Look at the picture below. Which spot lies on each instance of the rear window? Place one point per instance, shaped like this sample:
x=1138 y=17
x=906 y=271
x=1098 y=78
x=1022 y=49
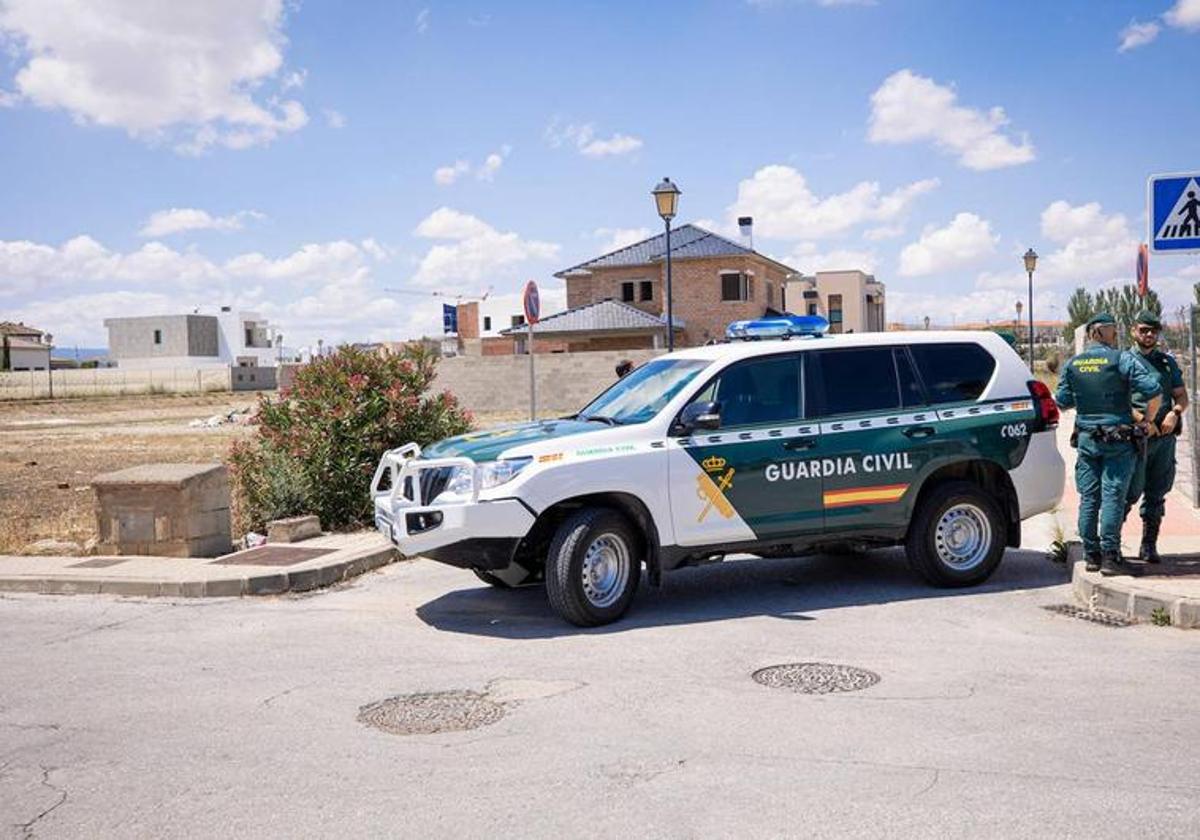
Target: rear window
x=953 y=372
x=855 y=380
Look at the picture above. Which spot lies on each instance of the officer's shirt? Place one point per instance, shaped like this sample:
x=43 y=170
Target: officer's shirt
x=1099 y=384
x=1165 y=371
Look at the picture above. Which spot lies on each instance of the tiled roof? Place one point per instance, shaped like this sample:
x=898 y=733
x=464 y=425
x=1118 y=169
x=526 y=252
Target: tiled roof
x=9 y=328
x=605 y=315
x=687 y=241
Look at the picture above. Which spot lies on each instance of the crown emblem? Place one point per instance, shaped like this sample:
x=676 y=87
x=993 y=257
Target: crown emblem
x=713 y=463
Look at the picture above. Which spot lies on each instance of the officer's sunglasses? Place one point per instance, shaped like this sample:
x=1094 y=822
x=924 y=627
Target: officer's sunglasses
x=1147 y=330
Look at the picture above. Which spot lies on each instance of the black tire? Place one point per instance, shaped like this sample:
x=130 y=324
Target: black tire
x=587 y=606
x=949 y=520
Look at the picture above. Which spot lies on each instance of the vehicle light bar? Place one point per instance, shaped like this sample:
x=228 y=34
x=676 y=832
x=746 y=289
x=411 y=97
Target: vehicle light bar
x=781 y=326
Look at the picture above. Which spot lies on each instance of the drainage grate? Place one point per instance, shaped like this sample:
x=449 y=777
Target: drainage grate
x=430 y=713
x=815 y=677
x=271 y=555
x=99 y=563
x=1106 y=619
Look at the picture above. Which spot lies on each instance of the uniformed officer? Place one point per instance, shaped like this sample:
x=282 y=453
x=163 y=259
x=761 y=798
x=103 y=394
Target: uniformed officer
x=1099 y=383
x=1154 y=472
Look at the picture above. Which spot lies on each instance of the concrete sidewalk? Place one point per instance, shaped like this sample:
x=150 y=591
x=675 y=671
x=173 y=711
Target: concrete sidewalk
x=267 y=570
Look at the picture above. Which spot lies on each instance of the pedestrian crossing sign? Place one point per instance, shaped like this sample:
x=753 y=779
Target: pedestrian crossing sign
x=1174 y=214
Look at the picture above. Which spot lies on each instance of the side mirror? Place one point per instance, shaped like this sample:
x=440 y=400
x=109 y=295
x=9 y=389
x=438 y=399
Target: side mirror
x=700 y=416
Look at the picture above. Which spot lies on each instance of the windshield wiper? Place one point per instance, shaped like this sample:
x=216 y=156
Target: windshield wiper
x=600 y=418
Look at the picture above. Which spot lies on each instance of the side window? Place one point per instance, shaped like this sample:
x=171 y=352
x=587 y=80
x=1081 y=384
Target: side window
x=627 y=292
x=954 y=372
x=910 y=387
x=855 y=380
x=757 y=391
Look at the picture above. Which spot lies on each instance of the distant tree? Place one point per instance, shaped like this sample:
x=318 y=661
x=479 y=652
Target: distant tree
x=1080 y=308
x=1124 y=303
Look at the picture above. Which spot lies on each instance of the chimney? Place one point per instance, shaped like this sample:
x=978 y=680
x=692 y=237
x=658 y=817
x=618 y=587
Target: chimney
x=746 y=227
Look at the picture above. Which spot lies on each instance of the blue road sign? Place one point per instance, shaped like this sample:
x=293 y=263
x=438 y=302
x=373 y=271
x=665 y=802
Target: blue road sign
x=1175 y=213
x=449 y=319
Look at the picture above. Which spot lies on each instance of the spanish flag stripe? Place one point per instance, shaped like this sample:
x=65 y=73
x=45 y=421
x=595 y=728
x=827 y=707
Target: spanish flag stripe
x=865 y=495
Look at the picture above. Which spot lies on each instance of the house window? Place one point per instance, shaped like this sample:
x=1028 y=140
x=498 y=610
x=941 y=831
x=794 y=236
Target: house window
x=646 y=290
x=487 y=323
x=518 y=320
x=627 y=292
x=736 y=286
x=771 y=295
x=835 y=313
x=812 y=309
x=249 y=336
x=158 y=336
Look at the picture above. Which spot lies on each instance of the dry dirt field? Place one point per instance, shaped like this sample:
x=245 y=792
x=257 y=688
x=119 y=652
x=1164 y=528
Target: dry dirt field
x=51 y=450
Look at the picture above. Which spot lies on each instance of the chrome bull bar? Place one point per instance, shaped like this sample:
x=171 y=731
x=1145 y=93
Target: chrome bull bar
x=404 y=463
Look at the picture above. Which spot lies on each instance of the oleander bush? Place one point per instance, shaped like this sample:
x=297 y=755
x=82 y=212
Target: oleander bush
x=317 y=444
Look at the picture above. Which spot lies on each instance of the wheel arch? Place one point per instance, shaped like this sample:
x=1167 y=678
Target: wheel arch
x=537 y=541
x=989 y=476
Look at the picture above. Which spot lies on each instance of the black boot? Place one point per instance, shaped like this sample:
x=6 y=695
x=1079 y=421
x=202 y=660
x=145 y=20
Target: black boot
x=1149 y=552
x=1092 y=562
x=1110 y=564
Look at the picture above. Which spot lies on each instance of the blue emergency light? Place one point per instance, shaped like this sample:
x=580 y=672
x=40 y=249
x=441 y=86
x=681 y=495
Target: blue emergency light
x=781 y=326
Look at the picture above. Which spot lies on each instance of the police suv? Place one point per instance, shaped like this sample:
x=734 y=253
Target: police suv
x=937 y=441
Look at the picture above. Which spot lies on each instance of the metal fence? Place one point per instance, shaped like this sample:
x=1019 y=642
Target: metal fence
x=42 y=384
x=1188 y=453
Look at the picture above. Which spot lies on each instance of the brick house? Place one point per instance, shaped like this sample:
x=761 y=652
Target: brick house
x=23 y=347
x=714 y=281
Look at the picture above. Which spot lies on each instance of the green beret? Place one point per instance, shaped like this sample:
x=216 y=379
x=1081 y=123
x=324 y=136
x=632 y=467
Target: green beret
x=1101 y=318
x=1148 y=318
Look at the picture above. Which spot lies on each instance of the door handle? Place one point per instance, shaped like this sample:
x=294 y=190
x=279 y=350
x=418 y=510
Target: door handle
x=919 y=431
x=798 y=444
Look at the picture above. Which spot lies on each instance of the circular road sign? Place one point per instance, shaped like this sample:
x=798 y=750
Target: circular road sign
x=533 y=304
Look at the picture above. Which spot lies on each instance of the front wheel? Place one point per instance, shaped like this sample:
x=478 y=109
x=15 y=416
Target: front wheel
x=592 y=568
x=957 y=535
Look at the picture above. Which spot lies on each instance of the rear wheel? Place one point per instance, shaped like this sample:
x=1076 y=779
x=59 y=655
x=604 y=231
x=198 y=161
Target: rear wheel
x=957 y=535
x=593 y=567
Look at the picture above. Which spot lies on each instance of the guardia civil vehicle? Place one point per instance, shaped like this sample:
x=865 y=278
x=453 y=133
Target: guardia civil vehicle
x=781 y=441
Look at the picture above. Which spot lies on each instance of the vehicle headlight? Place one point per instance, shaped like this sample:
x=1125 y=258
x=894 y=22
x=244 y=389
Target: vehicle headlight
x=461 y=483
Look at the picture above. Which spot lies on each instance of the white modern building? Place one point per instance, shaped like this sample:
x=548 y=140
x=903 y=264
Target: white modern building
x=229 y=338
x=23 y=347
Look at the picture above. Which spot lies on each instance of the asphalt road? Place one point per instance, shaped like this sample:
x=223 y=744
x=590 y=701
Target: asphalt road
x=238 y=718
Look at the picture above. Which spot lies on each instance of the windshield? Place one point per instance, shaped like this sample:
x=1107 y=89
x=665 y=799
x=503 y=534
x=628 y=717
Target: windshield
x=643 y=393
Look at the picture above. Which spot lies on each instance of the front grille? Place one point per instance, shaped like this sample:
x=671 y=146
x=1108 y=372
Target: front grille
x=433 y=482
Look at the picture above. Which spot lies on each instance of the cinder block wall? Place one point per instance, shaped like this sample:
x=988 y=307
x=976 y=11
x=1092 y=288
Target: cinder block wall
x=565 y=381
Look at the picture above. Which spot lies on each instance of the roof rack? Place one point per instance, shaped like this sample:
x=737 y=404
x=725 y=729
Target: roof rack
x=780 y=327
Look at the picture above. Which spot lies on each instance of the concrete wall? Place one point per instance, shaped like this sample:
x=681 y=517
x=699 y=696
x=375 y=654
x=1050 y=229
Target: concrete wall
x=565 y=381
x=112 y=381
x=131 y=340
x=21 y=358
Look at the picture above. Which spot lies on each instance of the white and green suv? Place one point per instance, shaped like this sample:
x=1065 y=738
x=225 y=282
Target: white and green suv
x=937 y=441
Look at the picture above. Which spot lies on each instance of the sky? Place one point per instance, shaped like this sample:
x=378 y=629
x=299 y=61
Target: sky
x=307 y=159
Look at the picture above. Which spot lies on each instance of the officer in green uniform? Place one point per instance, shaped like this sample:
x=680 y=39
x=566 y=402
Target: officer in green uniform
x=1154 y=472
x=1099 y=384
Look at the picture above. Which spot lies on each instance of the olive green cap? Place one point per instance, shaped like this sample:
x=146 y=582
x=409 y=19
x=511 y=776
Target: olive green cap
x=1101 y=318
x=1148 y=318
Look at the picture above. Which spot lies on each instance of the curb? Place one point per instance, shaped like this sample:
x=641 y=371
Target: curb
x=1122 y=595
x=265 y=583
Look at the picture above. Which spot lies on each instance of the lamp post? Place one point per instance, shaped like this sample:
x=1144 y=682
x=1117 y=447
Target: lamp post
x=1030 y=258
x=666 y=200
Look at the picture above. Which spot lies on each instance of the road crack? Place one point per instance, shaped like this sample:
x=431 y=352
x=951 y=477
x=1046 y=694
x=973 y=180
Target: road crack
x=27 y=828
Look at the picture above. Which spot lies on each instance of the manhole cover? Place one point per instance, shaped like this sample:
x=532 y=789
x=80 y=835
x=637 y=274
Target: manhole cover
x=815 y=677
x=1106 y=619
x=427 y=714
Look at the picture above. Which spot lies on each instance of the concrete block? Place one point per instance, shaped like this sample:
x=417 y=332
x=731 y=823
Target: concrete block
x=271 y=584
x=1185 y=613
x=21 y=584
x=294 y=529
x=225 y=588
x=1111 y=598
x=131 y=588
x=66 y=586
x=304 y=580
x=172 y=510
x=334 y=573
x=1144 y=605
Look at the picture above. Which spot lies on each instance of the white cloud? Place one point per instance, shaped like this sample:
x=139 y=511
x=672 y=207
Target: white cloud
x=616 y=238
x=294 y=80
x=1185 y=14
x=447 y=175
x=335 y=119
x=950 y=307
x=492 y=163
x=8 y=100
x=1094 y=246
x=422 y=21
x=377 y=251
x=808 y=258
x=1137 y=35
x=964 y=241
x=476 y=252
x=194 y=74
x=486 y=171
x=181 y=219
x=908 y=108
x=784 y=207
x=583 y=137
x=883 y=232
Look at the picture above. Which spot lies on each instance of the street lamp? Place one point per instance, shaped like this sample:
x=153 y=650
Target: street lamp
x=666 y=200
x=1030 y=264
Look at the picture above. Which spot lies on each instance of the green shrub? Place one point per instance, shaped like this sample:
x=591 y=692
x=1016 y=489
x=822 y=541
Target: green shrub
x=318 y=443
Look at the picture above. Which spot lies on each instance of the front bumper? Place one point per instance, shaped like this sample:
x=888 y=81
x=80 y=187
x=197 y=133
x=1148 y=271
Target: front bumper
x=472 y=534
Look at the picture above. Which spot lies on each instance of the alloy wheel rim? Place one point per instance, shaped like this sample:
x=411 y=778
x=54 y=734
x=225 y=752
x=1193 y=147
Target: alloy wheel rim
x=605 y=570
x=963 y=536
